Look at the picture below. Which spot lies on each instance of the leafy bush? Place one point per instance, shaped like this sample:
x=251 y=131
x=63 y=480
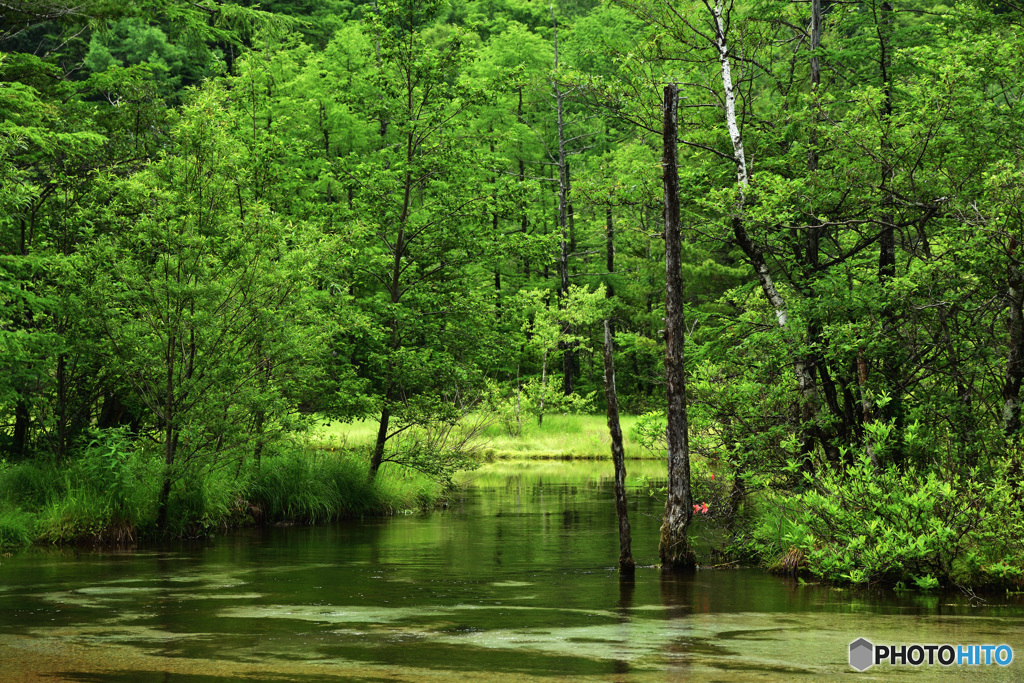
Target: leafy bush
x=650 y=431
x=861 y=525
x=536 y=400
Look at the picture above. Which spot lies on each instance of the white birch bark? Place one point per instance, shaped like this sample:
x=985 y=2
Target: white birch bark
x=804 y=373
x=742 y=175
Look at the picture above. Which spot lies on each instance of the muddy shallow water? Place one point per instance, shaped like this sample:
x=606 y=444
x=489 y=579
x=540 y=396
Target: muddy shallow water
x=516 y=580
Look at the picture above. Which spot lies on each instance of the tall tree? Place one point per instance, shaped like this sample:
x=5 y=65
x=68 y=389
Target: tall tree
x=674 y=546
x=418 y=221
x=201 y=300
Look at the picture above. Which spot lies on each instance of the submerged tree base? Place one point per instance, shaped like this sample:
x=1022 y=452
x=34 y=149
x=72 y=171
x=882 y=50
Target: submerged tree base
x=675 y=551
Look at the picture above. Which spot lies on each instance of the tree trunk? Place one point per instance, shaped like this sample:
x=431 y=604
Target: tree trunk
x=382 y=436
x=674 y=547
x=809 y=402
x=609 y=250
x=543 y=388
x=626 y=564
x=19 y=438
x=1015 y=356
x=524 y=221
x=568 y=355
x=170 y=433
x=887 y=242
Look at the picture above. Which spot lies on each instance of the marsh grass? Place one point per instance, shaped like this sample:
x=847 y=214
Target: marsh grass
x=17 y=528
x=640 y=474
x=561 y=436
x=79 y=503
x=313 y=486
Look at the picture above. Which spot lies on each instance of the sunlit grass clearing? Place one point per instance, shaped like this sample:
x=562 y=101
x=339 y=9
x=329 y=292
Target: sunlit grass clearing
x=578 y=436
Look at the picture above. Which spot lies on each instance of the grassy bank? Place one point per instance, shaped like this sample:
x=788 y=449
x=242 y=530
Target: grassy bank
x=561 y=436
x=109 y=493
x=85 y=503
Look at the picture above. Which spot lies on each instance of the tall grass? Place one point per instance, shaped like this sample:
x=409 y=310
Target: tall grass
x=110 y=496
x=640 y=473
x=17 y=528
x=315 y=486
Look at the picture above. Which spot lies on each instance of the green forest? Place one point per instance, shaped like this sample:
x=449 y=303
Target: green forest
x=226 y=225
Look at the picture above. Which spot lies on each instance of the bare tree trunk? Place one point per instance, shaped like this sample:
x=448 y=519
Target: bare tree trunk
x=382 y=436
x=543 y=387
x=674 y=546
x=626 y=564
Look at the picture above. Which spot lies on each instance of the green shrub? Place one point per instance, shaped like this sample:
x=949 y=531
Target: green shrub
x=103 y=496
x=861 y=525
x=81 y=514
x=302 y=487
x=208 y=501
x=108 y=493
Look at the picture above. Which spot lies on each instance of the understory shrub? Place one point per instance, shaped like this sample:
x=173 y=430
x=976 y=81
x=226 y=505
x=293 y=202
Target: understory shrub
x=103 y=495
x=205 y=502
x=862 y=525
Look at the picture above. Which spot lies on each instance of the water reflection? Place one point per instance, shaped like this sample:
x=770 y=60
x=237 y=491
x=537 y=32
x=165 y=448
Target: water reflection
x=517 y=579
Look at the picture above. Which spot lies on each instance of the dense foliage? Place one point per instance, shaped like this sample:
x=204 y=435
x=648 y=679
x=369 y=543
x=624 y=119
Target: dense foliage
x=220 y=224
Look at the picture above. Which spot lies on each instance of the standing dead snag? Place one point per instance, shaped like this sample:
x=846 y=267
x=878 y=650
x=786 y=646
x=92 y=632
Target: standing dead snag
x=674 y=547
x=626 y=564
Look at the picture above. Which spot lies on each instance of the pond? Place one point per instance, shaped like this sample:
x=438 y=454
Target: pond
x=516 y=579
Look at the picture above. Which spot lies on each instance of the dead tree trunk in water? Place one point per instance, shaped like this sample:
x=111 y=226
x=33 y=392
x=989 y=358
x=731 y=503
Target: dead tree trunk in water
x=674 y=547
x=626 y=564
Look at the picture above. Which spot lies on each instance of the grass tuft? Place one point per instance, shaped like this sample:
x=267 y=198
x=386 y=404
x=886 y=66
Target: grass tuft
x=17 y=528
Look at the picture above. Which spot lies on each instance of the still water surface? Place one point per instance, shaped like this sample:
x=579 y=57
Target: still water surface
x=516 y=581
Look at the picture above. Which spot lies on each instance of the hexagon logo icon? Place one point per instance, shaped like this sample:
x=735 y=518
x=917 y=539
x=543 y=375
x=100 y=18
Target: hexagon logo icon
x=862 y=654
